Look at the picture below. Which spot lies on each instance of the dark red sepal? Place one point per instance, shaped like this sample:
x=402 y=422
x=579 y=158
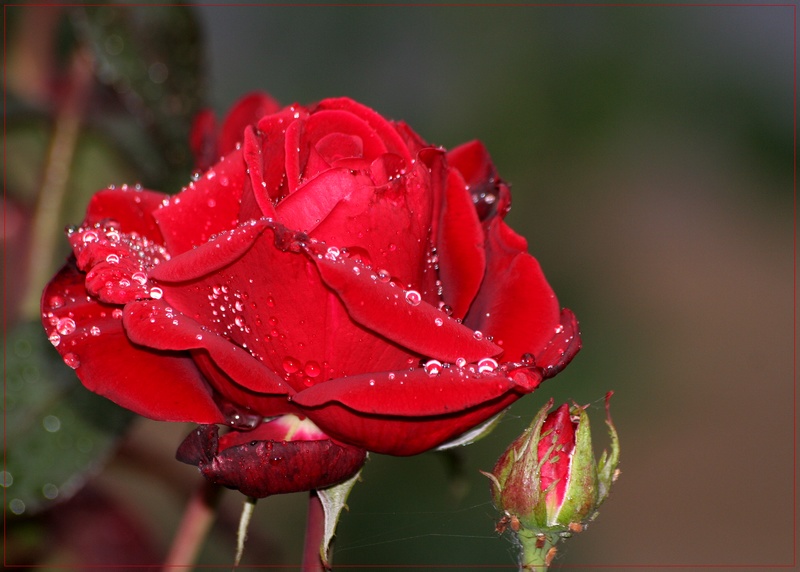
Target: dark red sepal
x=262 y=468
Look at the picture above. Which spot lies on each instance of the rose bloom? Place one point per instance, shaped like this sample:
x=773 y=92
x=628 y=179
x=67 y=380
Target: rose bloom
x=328 y=284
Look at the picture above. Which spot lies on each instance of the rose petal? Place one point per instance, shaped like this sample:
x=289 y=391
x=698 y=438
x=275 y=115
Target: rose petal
x=400 y=315
x=311 y=203
x=247 y=111
x=288 y=318
x=262 y=468
x=407 y=412
x=130 y=207
x=462 y=259
x=155 y=324
x=383 y=129
x=562 y=348
x=515 y=304
x=360 y=223
x=208 y=206
x=159 y=385
x=212 y=255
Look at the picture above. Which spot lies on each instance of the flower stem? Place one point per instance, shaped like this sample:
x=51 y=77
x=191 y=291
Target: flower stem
x=536 y=550
x=194 y=526
x=54 y=182
x=315 y=532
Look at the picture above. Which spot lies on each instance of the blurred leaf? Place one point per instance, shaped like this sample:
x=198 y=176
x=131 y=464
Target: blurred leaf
x=56 y=431
x=153 y=59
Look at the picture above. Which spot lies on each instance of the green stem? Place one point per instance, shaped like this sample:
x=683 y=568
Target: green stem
x=46 y=231
x=194 y=526
x=536 y=550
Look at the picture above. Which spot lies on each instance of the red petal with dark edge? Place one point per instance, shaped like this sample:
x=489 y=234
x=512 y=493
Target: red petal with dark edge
x=515 y=304
x=166 y=386
x=393 y=313
x=462 y=260
x=247 y=111
x=154 y=324
x=262 y=468
x=409 y=414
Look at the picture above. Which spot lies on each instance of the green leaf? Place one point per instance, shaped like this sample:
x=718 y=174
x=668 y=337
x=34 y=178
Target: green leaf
x=57 y=433
x=333 y=500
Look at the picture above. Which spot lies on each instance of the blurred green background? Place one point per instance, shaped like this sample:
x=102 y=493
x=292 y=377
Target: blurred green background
x=650 y=151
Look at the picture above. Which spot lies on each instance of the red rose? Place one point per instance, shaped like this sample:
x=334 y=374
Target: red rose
x=329 y=267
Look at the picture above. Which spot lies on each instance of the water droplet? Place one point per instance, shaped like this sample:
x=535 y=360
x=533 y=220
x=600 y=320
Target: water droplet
x=312 y=369
x=332 y=253
x=239 y=321
x=55 y=339
x=413 y=297
x=240 y=418
x=461 y=362
x=56 y=302
x=112 y=258
x=432 y=367
x=116 y=313
x=72 y=360
x=384 y=276
x=156 y=293
x=94 y=330
x=239 y=306
x=446 y=309
x=487 y=365
x=89 y=236
x=139 y=277
x=372 y=382
x=291 y=365
x=558 y=329
x=51 y=423
x=198 y=337
x=196 y=176
x=270 y=301
x=438 y=321
x=528 y=359
x=477 y=335
x=65 y=326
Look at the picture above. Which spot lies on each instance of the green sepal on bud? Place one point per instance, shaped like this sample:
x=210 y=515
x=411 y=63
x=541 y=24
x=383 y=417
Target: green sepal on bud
x=547 y=483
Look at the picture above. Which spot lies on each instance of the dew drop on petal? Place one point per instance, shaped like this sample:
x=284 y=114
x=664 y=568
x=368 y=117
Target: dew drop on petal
x=139 y=277
x=487 y=365
x=112 y=258
x=72 y=360
x=477 y=335
x=156 y=293
x=95 y=331
x=528 y=359
x=432 y=367
x=56 y=302
x=438 y=321
x=55 y=339
x=558 y=329
x=312 y=369
x=116 y=313
x=291 y=365
x=413 y=297
x=383 y=275
x=461 y=362
x=65 y=326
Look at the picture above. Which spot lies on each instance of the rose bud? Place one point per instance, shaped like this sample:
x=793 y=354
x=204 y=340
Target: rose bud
x=327 y=266
x=547 y=483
